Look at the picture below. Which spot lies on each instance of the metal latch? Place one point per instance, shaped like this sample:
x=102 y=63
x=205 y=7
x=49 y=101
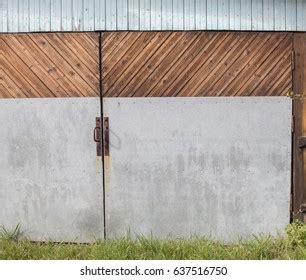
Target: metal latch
x=97 y=136
x=106 y=136
x=302 y=142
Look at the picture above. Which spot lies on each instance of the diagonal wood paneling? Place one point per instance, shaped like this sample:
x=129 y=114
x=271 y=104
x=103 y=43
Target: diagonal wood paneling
x=138 y=64
x=49 y=65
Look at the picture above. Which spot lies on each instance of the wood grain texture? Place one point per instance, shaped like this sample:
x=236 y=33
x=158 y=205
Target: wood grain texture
x=139 y=64
x=49 y=65
x=299 y=155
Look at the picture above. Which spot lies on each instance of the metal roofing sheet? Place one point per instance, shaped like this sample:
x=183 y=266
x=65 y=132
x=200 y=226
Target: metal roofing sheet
x=90 y=15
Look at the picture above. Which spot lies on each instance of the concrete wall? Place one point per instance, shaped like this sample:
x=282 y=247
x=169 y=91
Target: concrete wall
x=219 y=167
x=50 y=177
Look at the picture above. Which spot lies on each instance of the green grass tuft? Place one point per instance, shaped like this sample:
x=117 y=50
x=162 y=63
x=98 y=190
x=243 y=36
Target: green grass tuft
x=10 y=235
x=293 y=246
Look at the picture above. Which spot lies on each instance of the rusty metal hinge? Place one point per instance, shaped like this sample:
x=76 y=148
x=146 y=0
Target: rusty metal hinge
x=302 y=142
x=293 y=60
x=97 y=136
x=294 y=95
x=106 y=136
x=303 y=212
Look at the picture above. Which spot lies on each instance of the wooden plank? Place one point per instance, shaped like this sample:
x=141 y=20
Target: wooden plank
x=50 y=65
x=252 y=75
x=35 y=66
x=142 y=63
x=186 y=72
x=236 y=69
x=111 y=42
x=284 y=83
x=178 y=41
x=136 y=63
x=12 y=88
x=82 y=39
x=180 y=71
x=231 y=54
x=16 y=68
x=165 y=63
x=4 y=92
x=67 y=76
x=84 y=71
x=211 y=66
x=299 y=86
x=90 y=60
x=272 y=72
x=129 y=56
x=48 y=69
x=109 y=61
x=91 y=40
x=198 y=64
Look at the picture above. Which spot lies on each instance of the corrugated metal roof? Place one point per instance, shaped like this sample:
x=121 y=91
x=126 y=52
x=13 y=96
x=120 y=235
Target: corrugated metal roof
x=90 y=15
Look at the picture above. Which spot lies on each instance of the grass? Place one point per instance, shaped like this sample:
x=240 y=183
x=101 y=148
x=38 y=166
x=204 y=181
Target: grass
x=12 y=235
x=293 y=246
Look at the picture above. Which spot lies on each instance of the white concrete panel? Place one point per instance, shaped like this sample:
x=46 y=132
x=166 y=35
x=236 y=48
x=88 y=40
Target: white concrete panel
x=219 y=167
x=50 y=177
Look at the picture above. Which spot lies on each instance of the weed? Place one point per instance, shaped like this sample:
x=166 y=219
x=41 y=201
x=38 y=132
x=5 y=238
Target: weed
x=296 y=234
x=11 y=235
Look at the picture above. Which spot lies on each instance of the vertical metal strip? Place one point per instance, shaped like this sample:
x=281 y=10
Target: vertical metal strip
x=292 y=191
x=102 y=129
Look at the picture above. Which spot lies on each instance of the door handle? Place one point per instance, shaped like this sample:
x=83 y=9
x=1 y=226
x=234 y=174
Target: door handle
x=97 y=136
x=106 y=136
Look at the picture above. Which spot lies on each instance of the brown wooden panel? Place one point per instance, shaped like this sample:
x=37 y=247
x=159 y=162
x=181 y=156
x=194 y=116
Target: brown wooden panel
x=196 y=64
x=49 y=65
x=299 y=155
